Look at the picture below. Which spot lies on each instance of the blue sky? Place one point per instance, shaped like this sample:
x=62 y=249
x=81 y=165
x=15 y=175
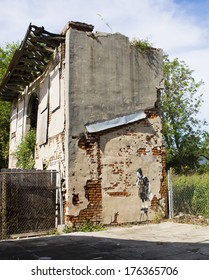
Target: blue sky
x=194 y=7
x=179 y=27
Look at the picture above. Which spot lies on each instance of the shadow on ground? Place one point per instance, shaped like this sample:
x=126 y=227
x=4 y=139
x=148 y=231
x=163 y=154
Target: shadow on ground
x=68 y=247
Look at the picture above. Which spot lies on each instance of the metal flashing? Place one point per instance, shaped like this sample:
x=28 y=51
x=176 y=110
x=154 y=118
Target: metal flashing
x=104 y=125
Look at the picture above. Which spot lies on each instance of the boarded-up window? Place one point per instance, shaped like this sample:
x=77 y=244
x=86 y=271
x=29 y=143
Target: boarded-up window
x=44 y=90
x=42 y=124
x=42 y=128
x=56 y=125
x=54 y=89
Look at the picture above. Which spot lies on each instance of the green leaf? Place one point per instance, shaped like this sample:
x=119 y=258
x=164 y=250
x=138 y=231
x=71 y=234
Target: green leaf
x=181 y=101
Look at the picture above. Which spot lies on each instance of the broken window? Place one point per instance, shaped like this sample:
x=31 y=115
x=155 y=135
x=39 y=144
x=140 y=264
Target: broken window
x=32 y=111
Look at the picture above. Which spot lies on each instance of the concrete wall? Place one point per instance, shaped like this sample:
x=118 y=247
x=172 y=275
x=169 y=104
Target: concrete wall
x=109 y=78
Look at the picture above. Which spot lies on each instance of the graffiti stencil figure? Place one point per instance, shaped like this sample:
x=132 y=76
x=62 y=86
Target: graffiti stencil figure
x=144 y=191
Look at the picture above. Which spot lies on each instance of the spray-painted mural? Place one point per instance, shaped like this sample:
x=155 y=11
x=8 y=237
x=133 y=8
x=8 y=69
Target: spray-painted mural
x=144 y=192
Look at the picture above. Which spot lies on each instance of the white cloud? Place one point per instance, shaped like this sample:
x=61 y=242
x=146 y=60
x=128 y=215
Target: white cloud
x=197 y=61
x=166 y=23
x=169 y=24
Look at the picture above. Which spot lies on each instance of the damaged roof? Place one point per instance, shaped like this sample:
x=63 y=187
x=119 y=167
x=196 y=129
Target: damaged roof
x=31 y=58
x=29 y=61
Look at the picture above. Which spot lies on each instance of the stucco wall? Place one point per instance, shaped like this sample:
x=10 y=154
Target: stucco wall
x=109 y=161
x=123 y=152
x=109 y=78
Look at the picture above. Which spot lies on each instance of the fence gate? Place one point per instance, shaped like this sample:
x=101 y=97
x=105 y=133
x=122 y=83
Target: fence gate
x=29 y=201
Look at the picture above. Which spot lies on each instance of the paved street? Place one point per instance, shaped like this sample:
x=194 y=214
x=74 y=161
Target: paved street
x=167 y=241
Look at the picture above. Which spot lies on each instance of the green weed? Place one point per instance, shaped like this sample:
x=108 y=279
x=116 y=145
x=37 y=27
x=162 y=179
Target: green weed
x=88 y=226
x=191 y=194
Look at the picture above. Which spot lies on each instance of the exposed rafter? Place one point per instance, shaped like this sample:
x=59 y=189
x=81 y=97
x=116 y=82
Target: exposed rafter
x=31 y=58
x=29 y=61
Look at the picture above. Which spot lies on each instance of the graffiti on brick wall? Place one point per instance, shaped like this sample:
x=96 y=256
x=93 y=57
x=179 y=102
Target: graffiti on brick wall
x=144 y=192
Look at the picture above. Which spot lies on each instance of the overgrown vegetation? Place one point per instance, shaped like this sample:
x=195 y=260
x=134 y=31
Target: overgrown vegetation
x=6 y=53
x=143 y=45
x=158 y=217
x=5 y=108
x=67 y=229
x=25 y=151
x=191 y=194
x=183 y=132
x=86 y=226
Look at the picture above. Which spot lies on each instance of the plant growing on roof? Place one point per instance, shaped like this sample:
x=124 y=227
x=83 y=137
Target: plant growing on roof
x=144 y=45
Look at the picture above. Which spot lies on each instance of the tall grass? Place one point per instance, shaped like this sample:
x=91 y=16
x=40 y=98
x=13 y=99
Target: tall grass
x=191 y=194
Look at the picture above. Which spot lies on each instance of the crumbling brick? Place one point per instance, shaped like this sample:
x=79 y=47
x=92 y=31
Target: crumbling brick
x=141 y=151
x=124 y=193
x=93 y=211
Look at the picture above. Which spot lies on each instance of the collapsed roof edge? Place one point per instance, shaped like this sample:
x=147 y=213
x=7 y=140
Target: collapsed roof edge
x=31 y=58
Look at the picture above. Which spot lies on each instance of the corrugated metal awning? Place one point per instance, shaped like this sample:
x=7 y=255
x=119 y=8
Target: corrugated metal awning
x=103 y=125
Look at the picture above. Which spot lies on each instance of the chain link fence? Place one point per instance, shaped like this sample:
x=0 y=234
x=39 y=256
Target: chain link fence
x=188 y=196
x=30 y=201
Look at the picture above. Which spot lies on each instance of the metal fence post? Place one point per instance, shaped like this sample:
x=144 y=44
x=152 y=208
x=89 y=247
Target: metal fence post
x=170 y=194
x=59 y=214
x=4 y=207
x=60 y=199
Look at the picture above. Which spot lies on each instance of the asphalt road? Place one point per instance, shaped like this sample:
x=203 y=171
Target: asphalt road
x=164 y=241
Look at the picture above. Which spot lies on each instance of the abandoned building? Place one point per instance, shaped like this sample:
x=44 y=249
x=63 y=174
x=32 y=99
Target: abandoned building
x=94 y=100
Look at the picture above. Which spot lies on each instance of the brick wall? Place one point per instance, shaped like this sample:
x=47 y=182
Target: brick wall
x=109 y=175
x=93 y=211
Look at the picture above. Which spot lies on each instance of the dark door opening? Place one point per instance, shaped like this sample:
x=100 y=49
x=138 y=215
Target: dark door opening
x=33 y=111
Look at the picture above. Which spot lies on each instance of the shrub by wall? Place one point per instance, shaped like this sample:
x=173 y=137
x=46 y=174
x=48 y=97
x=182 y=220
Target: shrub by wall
x=25 y=151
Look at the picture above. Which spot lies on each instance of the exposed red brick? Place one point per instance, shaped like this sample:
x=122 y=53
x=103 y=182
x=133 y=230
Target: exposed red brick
x=91 y=143
x=124 y=193
x=93 y=211
x=141 y=151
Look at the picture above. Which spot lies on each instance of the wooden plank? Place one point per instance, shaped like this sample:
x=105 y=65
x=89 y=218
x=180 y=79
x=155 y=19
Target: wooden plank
x=29 y=234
